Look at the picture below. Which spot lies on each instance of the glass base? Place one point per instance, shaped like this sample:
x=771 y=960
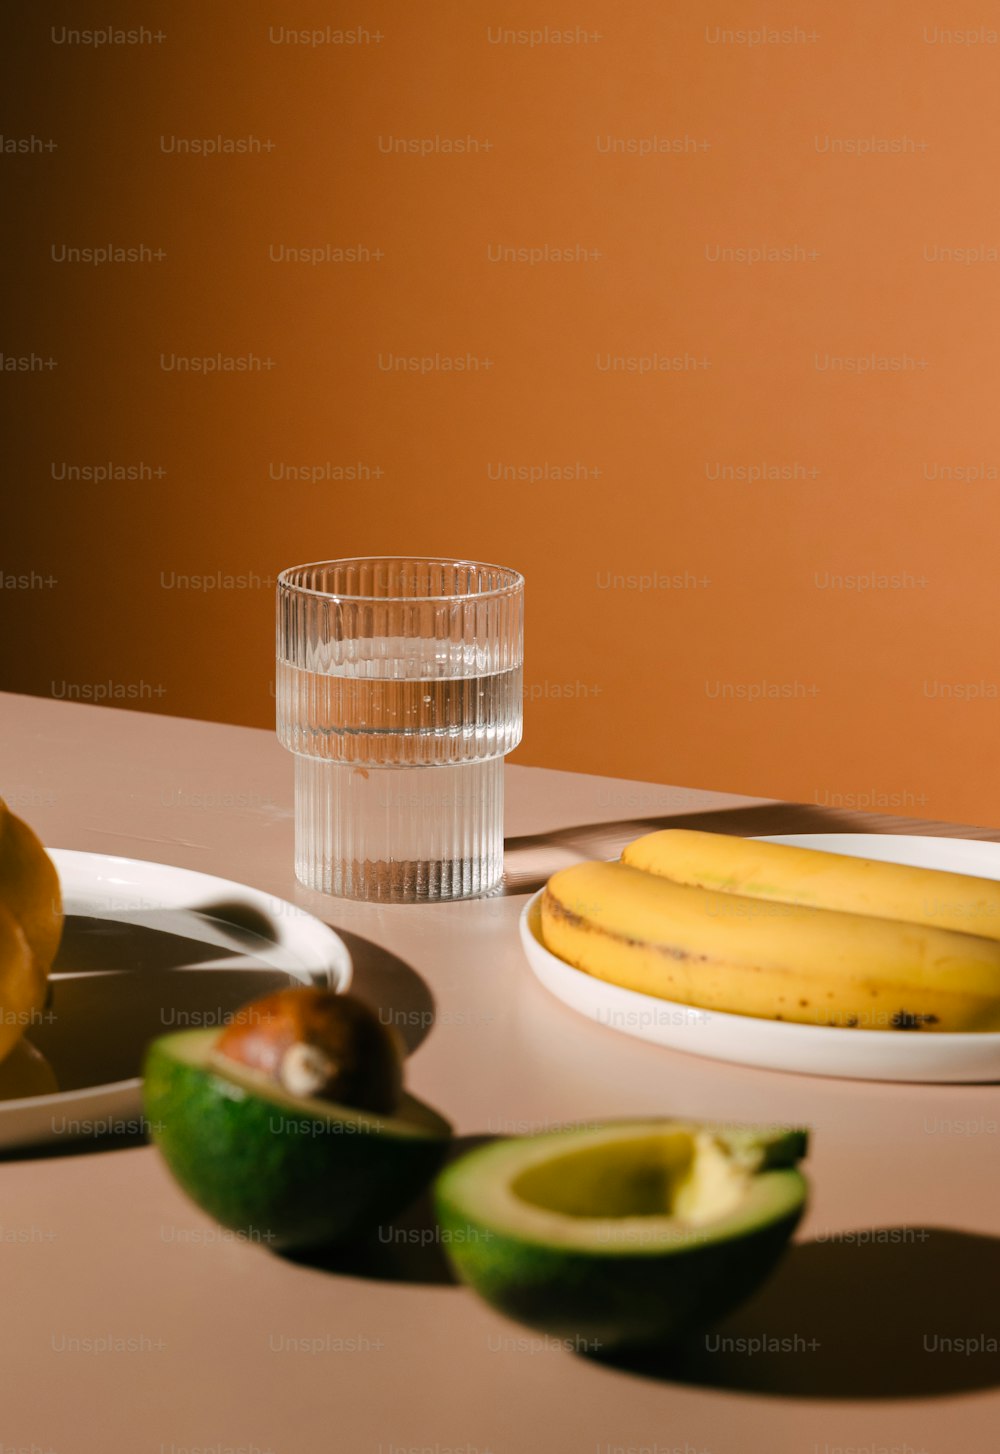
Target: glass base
x=399 y=835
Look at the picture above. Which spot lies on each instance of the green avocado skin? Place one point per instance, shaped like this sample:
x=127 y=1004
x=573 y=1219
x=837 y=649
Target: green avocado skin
x=613 y=1300
x=260 y=1170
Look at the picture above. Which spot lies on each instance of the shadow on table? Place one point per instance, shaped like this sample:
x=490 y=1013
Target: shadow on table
x=383 y=980
x=409 y=1249
x=606 y=840
x=391 y=987
x=118 y=984
x=882 y=1320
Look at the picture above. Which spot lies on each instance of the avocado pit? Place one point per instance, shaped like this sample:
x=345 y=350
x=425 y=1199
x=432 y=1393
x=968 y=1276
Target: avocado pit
x=315 y=1043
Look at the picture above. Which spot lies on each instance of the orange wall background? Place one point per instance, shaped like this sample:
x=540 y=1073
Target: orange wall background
x=760 y=554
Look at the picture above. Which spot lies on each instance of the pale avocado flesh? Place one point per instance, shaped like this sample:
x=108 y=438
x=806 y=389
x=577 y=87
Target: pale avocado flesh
x=283 y=1170
x=630 y=1233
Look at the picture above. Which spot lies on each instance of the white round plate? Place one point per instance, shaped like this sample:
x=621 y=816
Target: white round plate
x=146 y=949
x=804 y=1049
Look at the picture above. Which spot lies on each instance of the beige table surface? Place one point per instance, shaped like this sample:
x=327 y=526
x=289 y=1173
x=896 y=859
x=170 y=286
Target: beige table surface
x=100 y=1243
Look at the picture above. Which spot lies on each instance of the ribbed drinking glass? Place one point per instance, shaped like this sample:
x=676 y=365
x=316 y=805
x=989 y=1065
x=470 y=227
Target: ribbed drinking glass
x=399 y=692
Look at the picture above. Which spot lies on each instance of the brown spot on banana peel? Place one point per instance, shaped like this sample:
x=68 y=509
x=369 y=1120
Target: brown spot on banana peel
x=906 y=1020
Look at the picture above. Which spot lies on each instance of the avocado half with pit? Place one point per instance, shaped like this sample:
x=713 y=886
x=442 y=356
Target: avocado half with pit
x=628 y=1234
x=288 y=1171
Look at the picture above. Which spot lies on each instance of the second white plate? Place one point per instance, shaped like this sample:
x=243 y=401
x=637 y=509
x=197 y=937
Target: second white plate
x=148 y=948
x=771 y=1044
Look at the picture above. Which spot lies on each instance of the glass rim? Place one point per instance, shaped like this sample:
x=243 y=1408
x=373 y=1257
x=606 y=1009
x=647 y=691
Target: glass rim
x=514 y=584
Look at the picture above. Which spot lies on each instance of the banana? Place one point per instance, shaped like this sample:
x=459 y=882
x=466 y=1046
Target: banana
x=785 y=874
x=720 y=951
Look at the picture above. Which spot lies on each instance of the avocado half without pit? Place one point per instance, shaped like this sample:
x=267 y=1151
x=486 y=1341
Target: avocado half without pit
x=629 y=1234
x=291 y=1126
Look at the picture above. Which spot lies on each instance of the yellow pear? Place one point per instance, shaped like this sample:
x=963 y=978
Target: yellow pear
x=22 y=982
x=26 y=1072
x=29 y=886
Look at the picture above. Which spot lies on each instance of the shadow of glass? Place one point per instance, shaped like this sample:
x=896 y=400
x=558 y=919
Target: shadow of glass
x=407 y=1249
x=889 y=1319
x=606 y=840
x=125 y=945
x=245 y=923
